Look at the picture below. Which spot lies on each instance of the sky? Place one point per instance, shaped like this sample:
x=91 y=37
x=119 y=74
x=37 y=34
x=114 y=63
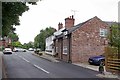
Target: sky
x=50 y=12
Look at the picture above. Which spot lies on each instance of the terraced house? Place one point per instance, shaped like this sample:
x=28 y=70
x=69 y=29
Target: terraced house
x=5 y=42
x=76 y=43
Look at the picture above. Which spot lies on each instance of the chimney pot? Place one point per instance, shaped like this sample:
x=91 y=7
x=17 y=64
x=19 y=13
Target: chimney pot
x=60 y=25
x=69 y=22
x=72 y=17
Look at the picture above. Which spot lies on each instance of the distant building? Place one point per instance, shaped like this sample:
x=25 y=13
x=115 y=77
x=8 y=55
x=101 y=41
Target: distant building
x=5 y=42
x=49 y=45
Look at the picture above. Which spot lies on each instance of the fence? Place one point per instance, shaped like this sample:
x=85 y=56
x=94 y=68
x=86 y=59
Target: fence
x=112 y=60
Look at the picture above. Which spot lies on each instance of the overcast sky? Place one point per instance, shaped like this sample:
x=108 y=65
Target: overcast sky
x=50 y=12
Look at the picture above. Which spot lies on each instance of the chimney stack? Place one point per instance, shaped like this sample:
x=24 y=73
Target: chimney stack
x=60 y=25
x=69 y=22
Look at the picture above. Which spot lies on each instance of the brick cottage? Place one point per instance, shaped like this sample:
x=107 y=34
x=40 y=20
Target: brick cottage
x=5 y=42
x=76 y=43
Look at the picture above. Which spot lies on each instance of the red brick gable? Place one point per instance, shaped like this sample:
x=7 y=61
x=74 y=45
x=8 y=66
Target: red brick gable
x=83 y=41
x=86 y=40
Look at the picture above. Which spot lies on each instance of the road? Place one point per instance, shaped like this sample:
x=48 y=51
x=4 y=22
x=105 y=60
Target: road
x=26 y=65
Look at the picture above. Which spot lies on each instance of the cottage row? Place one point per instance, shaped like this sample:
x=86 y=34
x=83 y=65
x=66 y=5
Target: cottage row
x=76 y=43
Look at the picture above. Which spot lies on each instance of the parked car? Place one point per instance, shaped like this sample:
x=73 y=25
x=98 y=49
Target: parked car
x=19 y=50
x=31 y=49
x=96 y=60
x=7 y=51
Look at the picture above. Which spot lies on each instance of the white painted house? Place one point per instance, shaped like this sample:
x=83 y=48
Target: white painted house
x=49 y=45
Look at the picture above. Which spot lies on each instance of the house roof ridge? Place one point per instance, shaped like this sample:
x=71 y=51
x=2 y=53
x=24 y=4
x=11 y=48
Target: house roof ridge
x=80 y=24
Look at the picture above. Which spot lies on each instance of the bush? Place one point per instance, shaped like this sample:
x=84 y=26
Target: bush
x=36 y=51
x=40 y=53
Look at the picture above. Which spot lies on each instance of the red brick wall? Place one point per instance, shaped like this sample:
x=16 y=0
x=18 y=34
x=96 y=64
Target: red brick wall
x=69 y=22
x=60 y=43
x=86 y=41
x=3 y=43
x=65 y=43
x=58 y=47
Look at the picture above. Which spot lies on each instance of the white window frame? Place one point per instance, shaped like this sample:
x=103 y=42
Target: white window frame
x=56 y=49
x=103 y=32
x=65 y=50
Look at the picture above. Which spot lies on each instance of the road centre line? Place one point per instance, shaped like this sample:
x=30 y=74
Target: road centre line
x=20 y=56
x=41 y=68
x=35 y=65
x=25 y=59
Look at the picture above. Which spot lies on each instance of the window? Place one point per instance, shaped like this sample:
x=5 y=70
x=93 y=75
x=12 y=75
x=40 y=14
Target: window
x=103 y=32
x=64 y=49
x=56 y=49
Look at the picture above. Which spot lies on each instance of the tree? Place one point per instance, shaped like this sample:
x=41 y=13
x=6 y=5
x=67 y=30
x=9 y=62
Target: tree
x=39 y=40
x=16 y=44
x=28 y=45
x=13 y=36
x=10 y=15
x=114 y=36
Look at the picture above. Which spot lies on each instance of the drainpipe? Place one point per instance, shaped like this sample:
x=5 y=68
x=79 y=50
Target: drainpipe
x=69 y=45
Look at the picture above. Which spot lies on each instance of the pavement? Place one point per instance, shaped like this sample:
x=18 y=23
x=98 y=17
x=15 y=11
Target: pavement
x=47 y=57
x=85 y=65
x=0 y=65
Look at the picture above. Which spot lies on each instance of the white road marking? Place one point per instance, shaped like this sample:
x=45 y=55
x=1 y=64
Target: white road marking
x=20 y=56
x=35 y=65
x=25 y=60
x=41 y=68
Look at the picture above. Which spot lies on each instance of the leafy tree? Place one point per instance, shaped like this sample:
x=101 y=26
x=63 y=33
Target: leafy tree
x=10 y=15
x=16 y=44
x=39 y=40
x=114 y=36
x=13 y=36
x=28 y=45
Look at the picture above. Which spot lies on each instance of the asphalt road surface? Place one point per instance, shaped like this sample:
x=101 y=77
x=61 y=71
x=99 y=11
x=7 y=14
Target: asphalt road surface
x=26 y=65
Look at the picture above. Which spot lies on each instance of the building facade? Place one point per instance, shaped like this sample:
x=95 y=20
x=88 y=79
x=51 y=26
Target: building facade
x=76 y=43
x=49 y=45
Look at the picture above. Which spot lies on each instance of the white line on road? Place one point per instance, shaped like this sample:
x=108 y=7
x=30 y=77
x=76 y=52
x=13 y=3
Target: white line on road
x=35 y=65
x=25 y=60
x=20 y=56
x=41 y=68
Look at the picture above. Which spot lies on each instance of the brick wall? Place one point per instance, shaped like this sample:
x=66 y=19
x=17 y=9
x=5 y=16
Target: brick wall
x=86 y=40
x=3 y=43
x=58 y=47
x=65 y=44
x=69 y=22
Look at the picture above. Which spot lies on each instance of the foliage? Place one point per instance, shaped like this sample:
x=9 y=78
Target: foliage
x=28 y=45
x=10 y=15
x=114 y=36
x=13 y=36
x=16 y=44
x=39 y=40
